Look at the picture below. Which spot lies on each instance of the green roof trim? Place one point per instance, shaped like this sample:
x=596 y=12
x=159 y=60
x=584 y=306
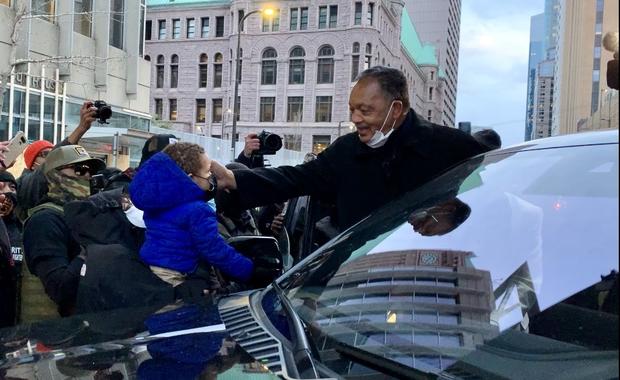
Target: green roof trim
x=160 y=3
x=422 y=54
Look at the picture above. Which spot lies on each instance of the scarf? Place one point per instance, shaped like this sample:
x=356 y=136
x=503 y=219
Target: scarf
x=63 y=189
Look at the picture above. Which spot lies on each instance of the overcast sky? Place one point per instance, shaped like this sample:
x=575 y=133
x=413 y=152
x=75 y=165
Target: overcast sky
x=493 y=58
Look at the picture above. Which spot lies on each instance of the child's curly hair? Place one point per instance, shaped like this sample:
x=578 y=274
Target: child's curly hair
x=186 y=155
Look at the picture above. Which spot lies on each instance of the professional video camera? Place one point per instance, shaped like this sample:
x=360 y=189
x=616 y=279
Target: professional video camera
x=104 y=111
x=270 y=143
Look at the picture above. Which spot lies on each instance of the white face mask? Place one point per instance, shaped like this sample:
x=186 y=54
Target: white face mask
x=135 y=216
x=379 y=139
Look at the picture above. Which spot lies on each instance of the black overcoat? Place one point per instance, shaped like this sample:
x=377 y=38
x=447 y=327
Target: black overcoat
x=357 y=178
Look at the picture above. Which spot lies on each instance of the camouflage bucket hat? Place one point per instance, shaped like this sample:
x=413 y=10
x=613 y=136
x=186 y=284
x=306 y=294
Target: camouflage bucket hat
x=71 y=154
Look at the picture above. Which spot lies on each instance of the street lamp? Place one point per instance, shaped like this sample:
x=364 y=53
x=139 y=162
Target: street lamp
x=233 y=138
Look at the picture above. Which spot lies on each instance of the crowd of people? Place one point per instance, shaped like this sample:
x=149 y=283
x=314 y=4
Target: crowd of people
x=158 y=232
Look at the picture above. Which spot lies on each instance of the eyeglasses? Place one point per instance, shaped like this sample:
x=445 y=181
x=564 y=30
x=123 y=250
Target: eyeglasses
x=44 y=153
x=80 y=170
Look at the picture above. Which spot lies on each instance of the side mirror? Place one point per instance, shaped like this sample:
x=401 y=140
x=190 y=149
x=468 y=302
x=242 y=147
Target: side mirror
x=263 y=249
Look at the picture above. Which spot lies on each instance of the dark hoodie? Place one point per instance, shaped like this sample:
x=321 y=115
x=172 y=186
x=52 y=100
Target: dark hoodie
x=181 y=228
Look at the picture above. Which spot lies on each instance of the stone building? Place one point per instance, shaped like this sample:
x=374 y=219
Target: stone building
x=297 y=66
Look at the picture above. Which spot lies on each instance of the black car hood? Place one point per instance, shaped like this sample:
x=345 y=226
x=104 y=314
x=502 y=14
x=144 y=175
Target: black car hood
x=180 y=341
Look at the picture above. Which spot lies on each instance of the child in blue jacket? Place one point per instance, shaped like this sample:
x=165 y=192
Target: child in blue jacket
x=172 y=188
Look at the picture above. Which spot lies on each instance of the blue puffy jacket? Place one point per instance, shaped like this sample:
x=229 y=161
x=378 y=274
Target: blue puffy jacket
x=181 y=228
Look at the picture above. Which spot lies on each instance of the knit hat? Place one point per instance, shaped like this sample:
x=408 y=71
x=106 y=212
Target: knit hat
x=156 y=144
x=7 y=177
x=32 y=151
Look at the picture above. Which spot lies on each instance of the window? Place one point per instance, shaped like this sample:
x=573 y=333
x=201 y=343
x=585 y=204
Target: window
x=430 y=93
x=201 y=110
x=217 y=111
x=333 y=16
x=269 y=67
x=174 y=71
x=295 y=109
x=176 y=29
x=355 y=61
x=271 y=23
x=368 y=60
x=297 y=66
x=191 y=28
x=162 y=29
x=159 y=109
x=267 y=109
x=159 y=77
x=204 y=27
x=432 y=75
x=240 y=16
x=45 y=8
x=148 y=30
x=294 y=22
x=430 y=115
x=325 y=71
x=173 y=109
x=219 y=26
x=371 y=13
x=292 y=142
x=323 y=17
x=147 y=58
x=303 y=19
x=202 y=71
x=117 y=19
x=83 y=19
x=323 y=109
x=217 y=70
x=319 y=143
x=358 y=13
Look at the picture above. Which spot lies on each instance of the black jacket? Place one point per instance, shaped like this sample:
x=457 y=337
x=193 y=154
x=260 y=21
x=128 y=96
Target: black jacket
x=52 y=254
x=357 y=178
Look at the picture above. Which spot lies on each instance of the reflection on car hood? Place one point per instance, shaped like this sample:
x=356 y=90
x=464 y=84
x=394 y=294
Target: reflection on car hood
x=181 y=341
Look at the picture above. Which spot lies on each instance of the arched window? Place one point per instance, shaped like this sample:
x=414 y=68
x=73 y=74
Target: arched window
x=297 y=66
x=269 y=67
x=174 y=71
x=203 y=71
x=159 y=72
x=325 y=71
x=368 y=58
x=355 y=61
x=217 y=70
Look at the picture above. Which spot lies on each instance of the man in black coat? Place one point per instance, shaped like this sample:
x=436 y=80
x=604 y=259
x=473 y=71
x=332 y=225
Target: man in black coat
x=391 y=153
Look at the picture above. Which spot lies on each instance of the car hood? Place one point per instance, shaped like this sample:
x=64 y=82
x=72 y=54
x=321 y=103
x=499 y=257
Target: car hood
x=175 y=341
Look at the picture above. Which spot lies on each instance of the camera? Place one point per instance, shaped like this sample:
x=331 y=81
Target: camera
x=104 y=111
x=270 y=143
x=98 y=182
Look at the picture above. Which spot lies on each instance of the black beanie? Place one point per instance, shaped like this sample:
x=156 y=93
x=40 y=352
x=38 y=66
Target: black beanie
x=7 y=177
x=155 y=144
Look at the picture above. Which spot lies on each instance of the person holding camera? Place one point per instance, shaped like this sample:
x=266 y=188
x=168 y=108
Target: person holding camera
x=392 y=152
x=32 y=185
x=52 y=253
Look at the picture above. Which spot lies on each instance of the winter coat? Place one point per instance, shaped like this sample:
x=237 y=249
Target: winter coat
x=360 y=179
x=181 y=228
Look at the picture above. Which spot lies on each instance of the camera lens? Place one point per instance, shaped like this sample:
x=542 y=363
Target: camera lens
x=273 y=142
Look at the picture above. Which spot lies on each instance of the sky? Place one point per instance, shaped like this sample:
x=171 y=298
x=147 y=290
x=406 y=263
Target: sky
x=493 y=58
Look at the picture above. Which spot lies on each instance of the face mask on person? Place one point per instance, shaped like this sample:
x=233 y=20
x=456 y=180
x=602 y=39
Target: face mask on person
x=379 y=138
x=7 y=203
x=135 y=216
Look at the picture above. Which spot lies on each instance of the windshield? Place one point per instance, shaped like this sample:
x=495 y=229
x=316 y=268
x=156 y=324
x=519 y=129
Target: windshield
x=517 y=251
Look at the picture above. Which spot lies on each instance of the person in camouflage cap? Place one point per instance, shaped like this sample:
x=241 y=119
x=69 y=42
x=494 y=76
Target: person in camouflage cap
x=52 y=253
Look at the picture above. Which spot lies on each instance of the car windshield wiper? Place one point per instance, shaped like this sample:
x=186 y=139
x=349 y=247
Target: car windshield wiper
x=381 y=364
x=301 y=346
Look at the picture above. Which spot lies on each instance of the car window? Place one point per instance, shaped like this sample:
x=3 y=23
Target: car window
x=491 y=253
